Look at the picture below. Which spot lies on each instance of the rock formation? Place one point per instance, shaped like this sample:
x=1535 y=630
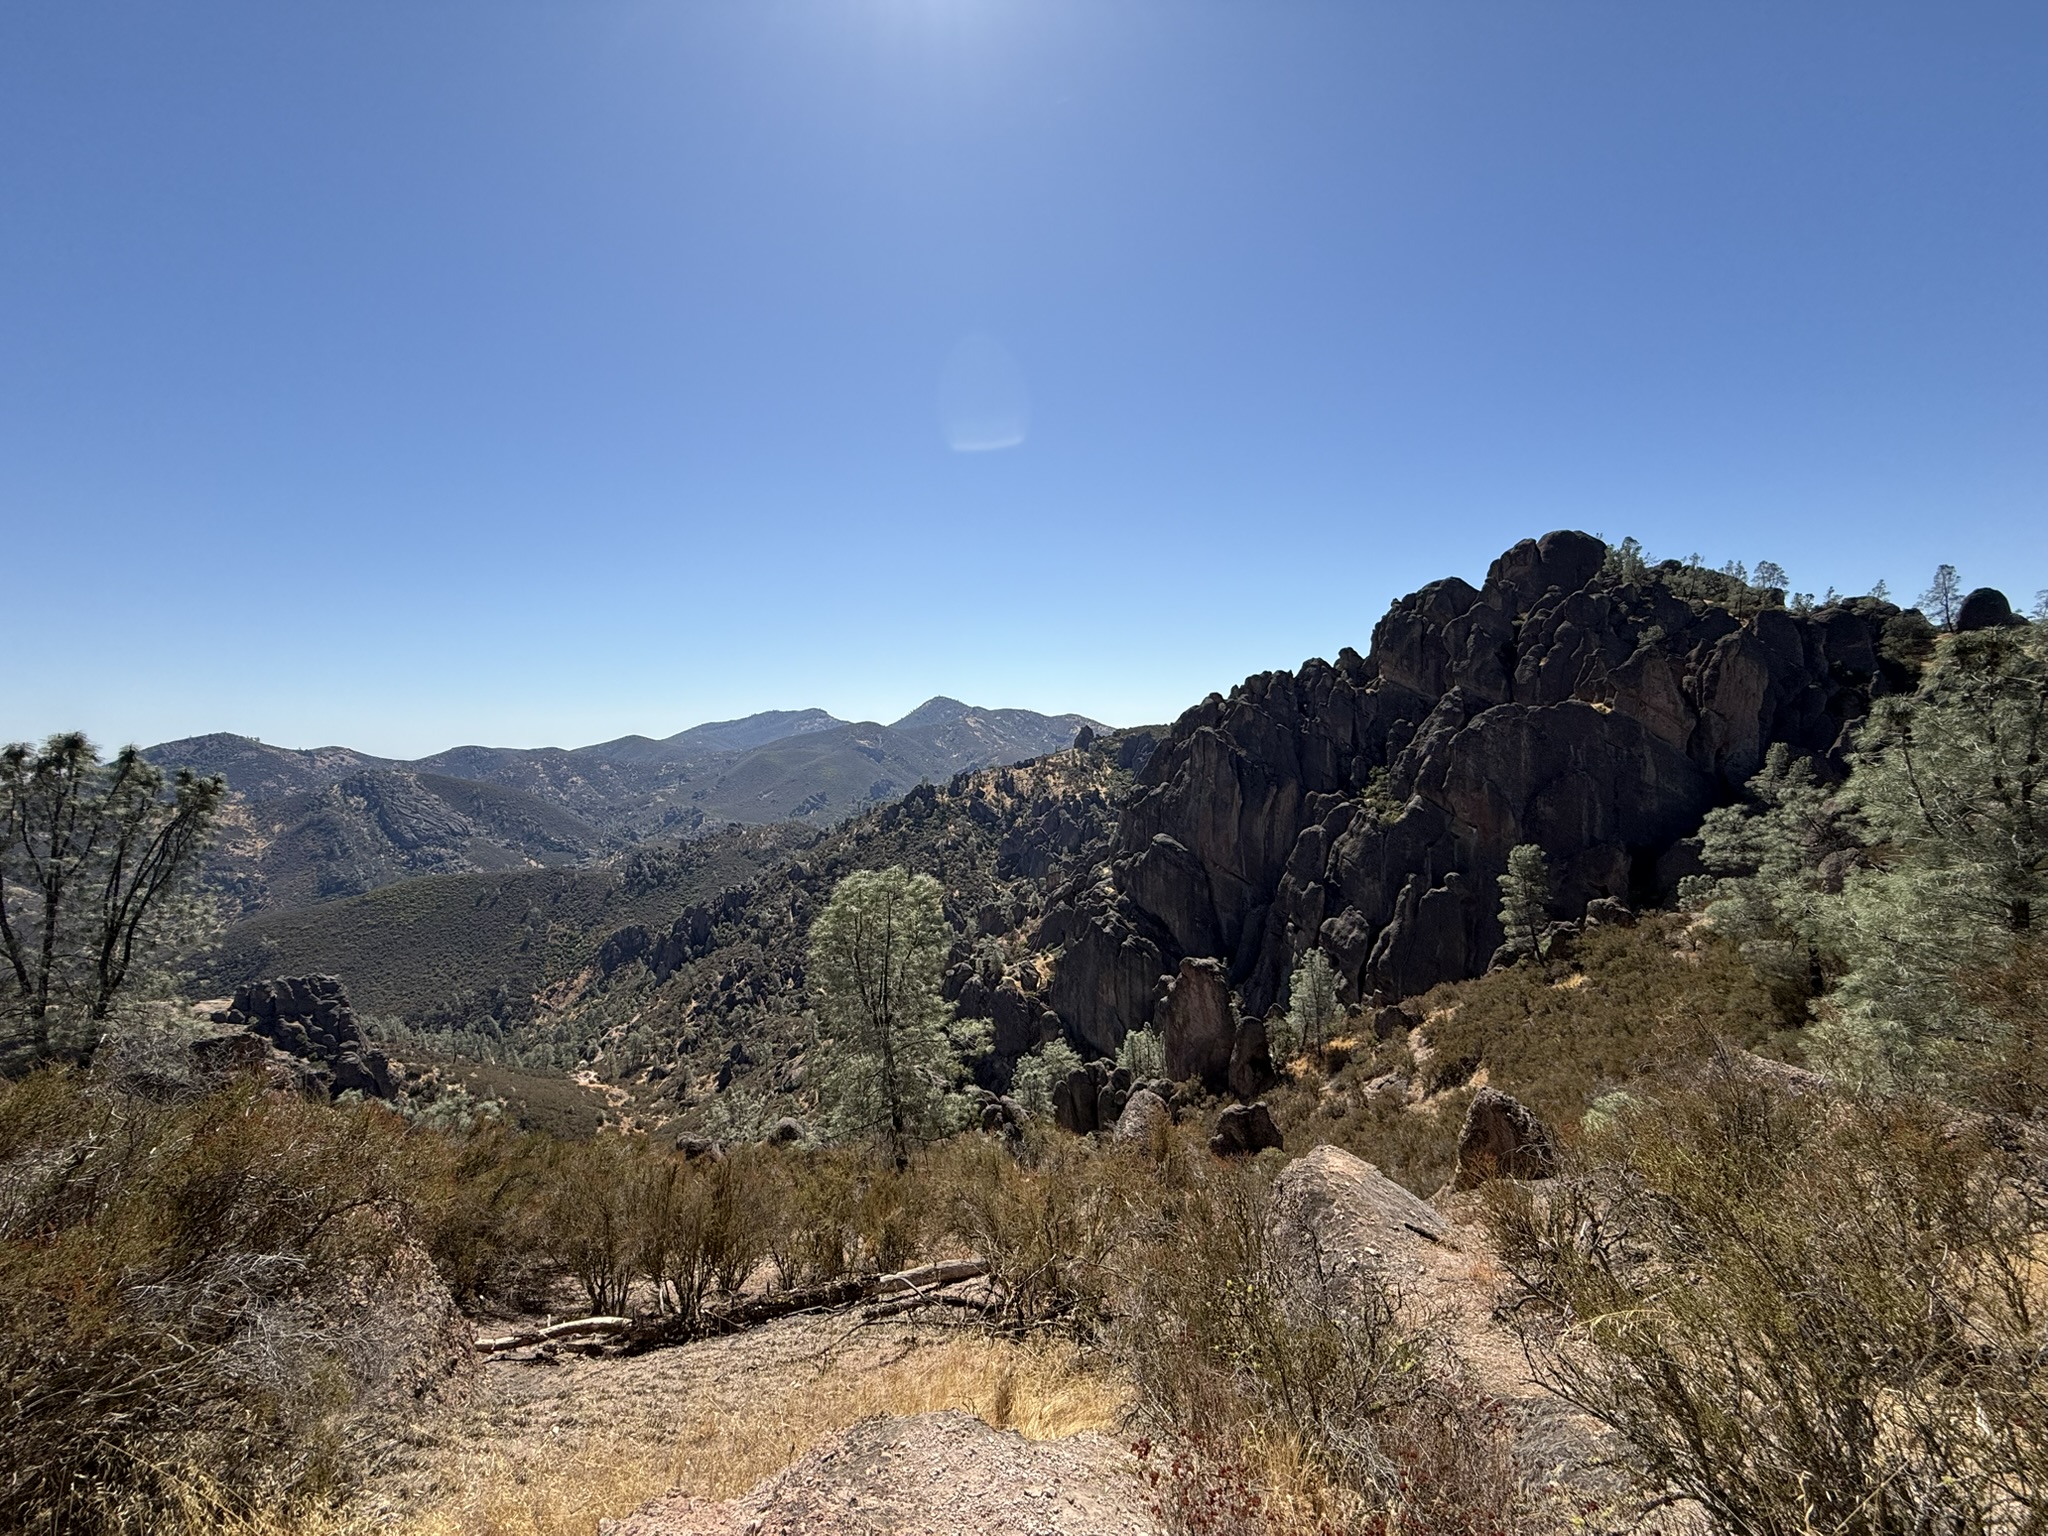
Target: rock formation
x=1368 y=806
x=1198 y=1024
x=1986 y=608
x=308 y=1018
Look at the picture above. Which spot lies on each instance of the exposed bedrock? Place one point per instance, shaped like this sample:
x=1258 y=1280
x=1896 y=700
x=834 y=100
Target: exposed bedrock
x=1368 y=806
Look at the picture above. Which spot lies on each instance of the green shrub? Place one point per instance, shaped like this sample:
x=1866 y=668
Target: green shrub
x=1806 y=1311
x=1634 y=1001
x=167 y=1278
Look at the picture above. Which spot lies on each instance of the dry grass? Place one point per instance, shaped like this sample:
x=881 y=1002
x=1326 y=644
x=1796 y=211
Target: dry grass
x=563 y=1485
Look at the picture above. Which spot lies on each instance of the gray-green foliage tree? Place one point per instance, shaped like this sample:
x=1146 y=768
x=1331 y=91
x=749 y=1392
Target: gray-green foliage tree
x=1143 y=1054
x=93 y=860
x=1032 y=1082
x=893 y=1055
x=1793 y=843
x=1923 y=874
x=1313 y=1008
x=1525 y=900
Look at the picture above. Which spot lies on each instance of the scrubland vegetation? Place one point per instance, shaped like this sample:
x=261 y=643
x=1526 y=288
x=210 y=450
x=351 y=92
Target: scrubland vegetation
x=206 y=1302
x=1794 y=1258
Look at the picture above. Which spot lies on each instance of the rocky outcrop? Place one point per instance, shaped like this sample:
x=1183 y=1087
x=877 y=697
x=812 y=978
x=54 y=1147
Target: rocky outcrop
x=308 y=1019
x=1198 y=1024
x=1367 y=806
x=1985 y=608
x=1502 y=1139
x=1091 y=1098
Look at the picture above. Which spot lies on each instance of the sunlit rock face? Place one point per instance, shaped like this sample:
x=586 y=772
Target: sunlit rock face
x=1368 y=806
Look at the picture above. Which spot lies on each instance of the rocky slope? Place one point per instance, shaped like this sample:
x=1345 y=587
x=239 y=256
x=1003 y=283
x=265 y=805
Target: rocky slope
x=1368 y=806
x=377 y=826
x=316 y=825
x=717 y=997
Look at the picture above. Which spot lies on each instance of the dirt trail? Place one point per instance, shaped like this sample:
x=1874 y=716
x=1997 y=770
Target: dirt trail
x=938 y=1474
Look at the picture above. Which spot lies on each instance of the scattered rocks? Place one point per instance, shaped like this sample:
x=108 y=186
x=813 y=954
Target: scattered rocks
x=1244 y=1129
x=1502 y=1139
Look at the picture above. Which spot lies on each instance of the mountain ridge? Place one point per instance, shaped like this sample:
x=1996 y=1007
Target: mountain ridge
x=316 y=824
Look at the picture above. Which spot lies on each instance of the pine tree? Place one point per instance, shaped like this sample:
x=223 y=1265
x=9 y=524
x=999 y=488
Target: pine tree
x=1313 y=1008
x=893 y=1054
x=1910 y=891
x=1941 y=600
x=1782 y=857
x=1037 y=1074
x=1525 y=900
x=1143 y=1054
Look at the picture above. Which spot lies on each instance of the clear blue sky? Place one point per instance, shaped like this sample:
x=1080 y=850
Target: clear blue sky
x=404 y=374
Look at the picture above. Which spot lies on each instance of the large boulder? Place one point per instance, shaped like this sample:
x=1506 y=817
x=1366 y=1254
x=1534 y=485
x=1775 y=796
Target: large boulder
x=1985 y=608
x=1331 y=1203
x=1369 y=804
x=1145 y=1119
x=1244 y=1129
x=1502 y=1139
x=1074 y=1101
x=1251 y=1061
x=1199 y=1025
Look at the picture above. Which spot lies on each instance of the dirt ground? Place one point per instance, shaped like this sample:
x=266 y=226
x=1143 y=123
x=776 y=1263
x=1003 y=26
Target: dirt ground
x=821 y=1423
x=552 y=1443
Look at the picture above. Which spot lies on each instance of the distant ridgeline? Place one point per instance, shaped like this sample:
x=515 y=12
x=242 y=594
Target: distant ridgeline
x=1580 y=699
x=310 y=826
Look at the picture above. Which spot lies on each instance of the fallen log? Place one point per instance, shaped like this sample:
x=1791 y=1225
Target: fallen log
x=948 y=1273
x=752 y=1311
x=553 y=1331
x=882 y=1309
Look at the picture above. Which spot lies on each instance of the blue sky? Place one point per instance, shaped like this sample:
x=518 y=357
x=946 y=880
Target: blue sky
x=408 y=374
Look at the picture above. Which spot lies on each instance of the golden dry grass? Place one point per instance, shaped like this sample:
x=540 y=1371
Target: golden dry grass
x=1040 y=1389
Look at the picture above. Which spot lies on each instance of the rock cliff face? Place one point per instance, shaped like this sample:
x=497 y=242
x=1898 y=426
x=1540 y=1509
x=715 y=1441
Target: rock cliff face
x=1369 y=806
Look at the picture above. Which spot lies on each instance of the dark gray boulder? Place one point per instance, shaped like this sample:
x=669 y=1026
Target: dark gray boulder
x=1244 y=1129
x=1251 y=1062
x=1985 y=608
x=1199 y=1025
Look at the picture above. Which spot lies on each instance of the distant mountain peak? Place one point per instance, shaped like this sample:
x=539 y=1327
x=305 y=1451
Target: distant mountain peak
x=937 y=710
